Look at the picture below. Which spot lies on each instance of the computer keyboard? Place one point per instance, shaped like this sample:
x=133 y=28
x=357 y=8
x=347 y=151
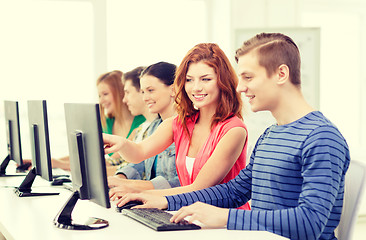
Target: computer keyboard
x=157 y=219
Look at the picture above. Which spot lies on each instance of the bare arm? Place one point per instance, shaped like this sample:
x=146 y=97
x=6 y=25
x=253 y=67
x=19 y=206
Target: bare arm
x=224 y=156
x=137 y=152
x=217 y=166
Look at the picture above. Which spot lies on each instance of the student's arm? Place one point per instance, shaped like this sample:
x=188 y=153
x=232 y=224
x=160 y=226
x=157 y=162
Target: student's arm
x=232 y=194
x=122 y=186
x=215 y=169
x=217 y=166
x=137 y=152
x=63 y=163
x=131 y=171
x=127 y=186
x=323 y=171
x=161 y=182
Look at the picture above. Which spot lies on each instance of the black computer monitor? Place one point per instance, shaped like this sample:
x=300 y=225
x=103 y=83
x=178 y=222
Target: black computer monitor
x=40 y=148
x=13 y=137
x=87 y=164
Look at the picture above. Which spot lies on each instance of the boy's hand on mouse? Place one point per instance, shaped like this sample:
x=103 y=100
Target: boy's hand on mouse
x=148 y=200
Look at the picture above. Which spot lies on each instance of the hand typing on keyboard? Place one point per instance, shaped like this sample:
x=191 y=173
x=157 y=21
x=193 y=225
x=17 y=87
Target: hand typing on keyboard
x=120 y=187
x=207 y=214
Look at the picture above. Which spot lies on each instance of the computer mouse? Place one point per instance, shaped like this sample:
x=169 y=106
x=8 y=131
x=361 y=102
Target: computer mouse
x=129 y=205
x=60 y=180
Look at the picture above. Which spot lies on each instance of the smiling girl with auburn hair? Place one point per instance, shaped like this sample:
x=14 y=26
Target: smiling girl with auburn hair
x=209 y=134
x=230 y=101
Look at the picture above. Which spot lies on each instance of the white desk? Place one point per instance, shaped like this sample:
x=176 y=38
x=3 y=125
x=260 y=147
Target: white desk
x=32 y=218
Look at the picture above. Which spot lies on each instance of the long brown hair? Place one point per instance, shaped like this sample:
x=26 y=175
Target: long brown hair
x=230 y=103
x=114 y=80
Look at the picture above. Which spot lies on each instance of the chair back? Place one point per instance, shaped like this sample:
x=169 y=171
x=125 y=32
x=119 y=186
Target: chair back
x=354 y=188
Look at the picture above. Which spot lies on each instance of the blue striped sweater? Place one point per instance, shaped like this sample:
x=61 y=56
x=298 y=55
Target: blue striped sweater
x=295 y=179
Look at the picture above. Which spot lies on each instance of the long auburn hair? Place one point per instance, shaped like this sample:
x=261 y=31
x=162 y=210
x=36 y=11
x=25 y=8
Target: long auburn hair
x=114 y=80
x=229 y=104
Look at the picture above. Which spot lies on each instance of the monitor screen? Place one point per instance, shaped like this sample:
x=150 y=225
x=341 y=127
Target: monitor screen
x=87 y=163
x=39 y=138
x=12 y=135
x=40 y=148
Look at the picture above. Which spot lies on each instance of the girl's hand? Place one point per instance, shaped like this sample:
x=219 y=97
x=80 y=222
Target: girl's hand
x=112 y=143
x=123 y=188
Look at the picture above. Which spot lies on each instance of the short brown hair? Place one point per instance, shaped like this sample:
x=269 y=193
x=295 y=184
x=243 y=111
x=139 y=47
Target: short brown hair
x=274 y=49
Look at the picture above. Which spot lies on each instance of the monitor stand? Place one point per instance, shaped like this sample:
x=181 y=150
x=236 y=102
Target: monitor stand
x=3 y=166
x=25 y=188
x=64 y=219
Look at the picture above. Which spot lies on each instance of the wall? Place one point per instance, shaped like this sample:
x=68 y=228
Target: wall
x=342 y=80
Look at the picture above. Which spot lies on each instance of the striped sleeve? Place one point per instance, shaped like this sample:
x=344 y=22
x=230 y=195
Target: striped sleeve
x=231 y=194
x=324 y=161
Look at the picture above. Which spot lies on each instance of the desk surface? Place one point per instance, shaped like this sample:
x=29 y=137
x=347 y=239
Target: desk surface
x=32 y=218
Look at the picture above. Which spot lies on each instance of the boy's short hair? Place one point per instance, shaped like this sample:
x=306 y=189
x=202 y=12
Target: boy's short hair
x=274 y=49
x=134 y=77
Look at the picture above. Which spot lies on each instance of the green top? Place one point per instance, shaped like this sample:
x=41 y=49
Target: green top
x=137 y=120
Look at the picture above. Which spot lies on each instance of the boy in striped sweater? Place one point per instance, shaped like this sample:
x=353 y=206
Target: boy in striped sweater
x=296 y=173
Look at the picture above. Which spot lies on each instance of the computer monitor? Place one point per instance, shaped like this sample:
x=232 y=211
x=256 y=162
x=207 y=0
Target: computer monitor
x=40 y=148
x=87 y=164
x=12 y=136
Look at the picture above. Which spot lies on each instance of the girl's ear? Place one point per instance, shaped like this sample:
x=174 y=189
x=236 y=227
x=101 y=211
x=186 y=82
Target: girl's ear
x=283 y=74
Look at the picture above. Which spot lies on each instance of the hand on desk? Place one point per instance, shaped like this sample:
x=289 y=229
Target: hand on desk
x=207 y=214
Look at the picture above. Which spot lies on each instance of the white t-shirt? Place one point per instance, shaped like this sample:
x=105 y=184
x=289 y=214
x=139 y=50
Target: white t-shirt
x=189 y=164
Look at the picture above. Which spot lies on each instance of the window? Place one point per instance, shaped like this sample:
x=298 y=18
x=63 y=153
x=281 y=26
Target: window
x=54 y=50
x=46 y=53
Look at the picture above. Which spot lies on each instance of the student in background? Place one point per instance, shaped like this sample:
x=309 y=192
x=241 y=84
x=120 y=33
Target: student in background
x=296 y=173
x=132 y=100
x=115 y=116
x=209 y=134
x=157 y=172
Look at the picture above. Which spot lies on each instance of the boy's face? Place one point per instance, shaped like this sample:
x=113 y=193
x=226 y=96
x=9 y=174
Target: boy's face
x=133 y=99
x=255 y=84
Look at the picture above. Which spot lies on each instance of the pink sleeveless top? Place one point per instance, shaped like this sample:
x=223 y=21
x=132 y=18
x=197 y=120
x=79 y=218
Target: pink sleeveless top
x=182 y=145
